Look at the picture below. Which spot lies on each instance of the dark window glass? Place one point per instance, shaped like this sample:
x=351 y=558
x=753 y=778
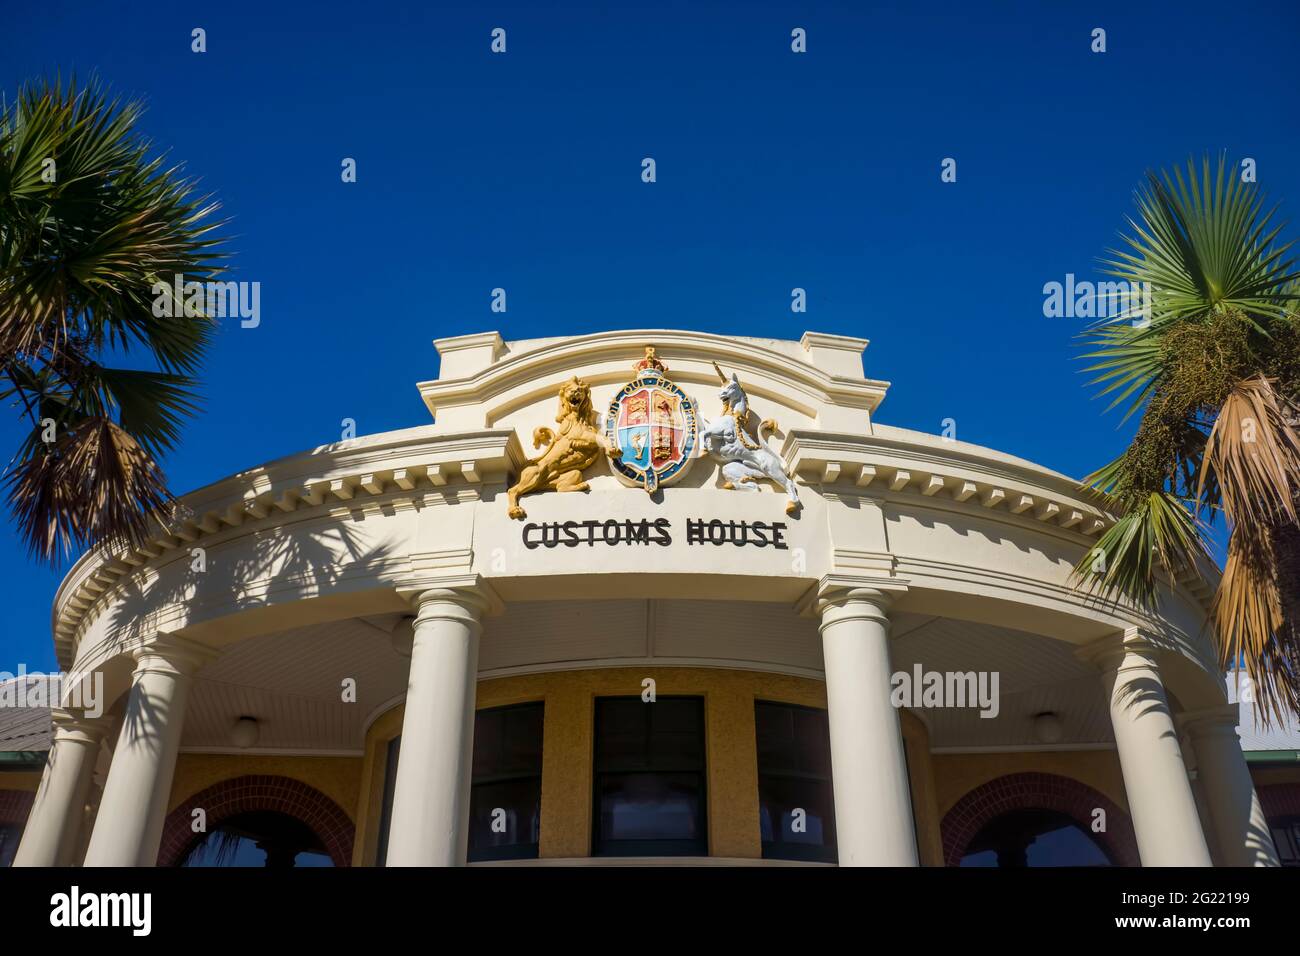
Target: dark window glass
x=796 y=803
x=386 y=813
x=505 y=807
x=9 y=836
x=1030 y=837
x=649 y=777
x=1286 y=837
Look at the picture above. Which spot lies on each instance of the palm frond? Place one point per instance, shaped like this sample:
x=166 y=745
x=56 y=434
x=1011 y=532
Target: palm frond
x=1248 y=617
x=1158 y=531
x=82 y=245
x=1253 y=451
x=1206 y=241
x=96 y=484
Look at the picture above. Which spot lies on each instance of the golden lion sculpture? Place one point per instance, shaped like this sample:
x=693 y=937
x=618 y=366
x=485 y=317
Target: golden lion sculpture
x=571 y=451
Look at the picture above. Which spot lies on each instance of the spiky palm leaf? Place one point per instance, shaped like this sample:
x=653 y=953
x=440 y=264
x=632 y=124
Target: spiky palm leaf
x=1206 y=245
x=1254 y=452
x=1218 y=347
x=89 y=222
x=1255 y=455
x=1159 y=532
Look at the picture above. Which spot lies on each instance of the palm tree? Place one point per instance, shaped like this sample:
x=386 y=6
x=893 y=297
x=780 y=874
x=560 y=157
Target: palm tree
x=89 y=222
x=1212 y=370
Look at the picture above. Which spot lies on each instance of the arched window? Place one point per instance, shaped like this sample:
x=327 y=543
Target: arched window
x=1037 y=819
x=1033 y=837
x=259 y=838
x=258 y=820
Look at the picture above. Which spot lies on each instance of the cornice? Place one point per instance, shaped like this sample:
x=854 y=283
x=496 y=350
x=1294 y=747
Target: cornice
x=961 y=478
x=393 y=465
x=842 y=462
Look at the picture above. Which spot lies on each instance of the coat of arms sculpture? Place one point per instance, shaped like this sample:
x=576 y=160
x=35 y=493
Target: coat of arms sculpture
x=654 y=424
x=569 y=452
x=736 y=441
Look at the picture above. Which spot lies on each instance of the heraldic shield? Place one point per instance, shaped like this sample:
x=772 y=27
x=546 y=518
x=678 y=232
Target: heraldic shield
x=656 y=425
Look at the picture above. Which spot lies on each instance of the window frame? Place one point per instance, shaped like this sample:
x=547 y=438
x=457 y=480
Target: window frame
x=512 y=851
x=801 y=852
x=392 y=749
x=667 y=847
x=1288 y=848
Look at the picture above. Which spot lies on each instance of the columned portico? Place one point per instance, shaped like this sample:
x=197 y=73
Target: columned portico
x=430 y=817
x=873 y=804
x=54 y=826
x=379 y=565
x=1160 y=798
x=1240 y=829
x=128 y=827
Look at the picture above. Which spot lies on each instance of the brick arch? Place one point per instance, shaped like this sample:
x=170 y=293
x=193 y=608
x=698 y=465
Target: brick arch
x=250 y=793
x=1037 y=791
x=15 y=805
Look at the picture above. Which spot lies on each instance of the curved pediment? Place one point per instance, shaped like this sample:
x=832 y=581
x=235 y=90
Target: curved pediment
x=486 y=382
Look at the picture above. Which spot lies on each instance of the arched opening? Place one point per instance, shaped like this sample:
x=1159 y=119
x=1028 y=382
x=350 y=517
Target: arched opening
x=257 y=821
x=262 y=838
x=1037 y=819
x=1033 y=837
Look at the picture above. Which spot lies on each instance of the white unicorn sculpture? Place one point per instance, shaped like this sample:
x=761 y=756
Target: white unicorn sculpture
x=745 y=460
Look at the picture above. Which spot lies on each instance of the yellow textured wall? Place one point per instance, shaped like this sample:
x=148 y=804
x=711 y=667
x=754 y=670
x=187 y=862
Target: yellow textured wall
x=916 y=740
x=20 y=780
x=955 y=775
x=339 y=778
x=365 y=847
x=732 y=758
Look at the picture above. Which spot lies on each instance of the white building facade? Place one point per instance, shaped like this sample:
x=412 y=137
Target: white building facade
x=907 y=599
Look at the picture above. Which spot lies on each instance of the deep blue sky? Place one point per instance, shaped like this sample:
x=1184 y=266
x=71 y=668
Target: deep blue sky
x=775 y=170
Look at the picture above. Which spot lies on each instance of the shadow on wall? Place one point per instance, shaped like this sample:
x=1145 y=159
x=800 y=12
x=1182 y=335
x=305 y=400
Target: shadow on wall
x=281 y=563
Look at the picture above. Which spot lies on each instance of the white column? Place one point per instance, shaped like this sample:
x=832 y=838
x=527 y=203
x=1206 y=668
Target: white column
x=1240 y=828
x=132 y=810
x=429 y=824
x=1159 y=794
x=54 y=826
x=873 y=803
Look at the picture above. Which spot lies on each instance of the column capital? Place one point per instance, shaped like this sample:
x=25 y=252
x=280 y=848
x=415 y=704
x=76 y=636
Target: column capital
x=76 y=727
x=469 y=591
x=1122 y=650
x=837 y=590
x=166 y=653
x=1210 y=720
